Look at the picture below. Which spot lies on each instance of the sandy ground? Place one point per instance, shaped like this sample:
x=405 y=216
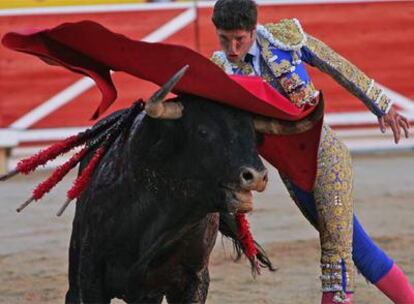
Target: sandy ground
x=33 y=245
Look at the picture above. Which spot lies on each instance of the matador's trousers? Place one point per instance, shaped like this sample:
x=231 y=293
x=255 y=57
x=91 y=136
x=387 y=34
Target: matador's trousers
x=329 y=208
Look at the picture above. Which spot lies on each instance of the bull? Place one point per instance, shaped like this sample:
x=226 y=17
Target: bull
x=146 y=224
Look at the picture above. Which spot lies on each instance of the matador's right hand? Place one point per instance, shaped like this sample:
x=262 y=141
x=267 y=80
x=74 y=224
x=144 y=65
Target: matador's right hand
x=396 y=122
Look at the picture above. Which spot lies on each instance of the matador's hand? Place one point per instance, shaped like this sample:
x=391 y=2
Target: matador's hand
x=395 y=121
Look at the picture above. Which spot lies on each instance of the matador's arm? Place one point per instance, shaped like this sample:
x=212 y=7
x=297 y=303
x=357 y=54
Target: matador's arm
x=319 y=55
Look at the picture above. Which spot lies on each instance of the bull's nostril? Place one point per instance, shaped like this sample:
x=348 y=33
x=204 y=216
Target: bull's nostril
x=247 y=176
x=265 y=178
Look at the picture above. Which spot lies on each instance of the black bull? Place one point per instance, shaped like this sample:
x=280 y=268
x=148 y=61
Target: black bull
x=146 y=224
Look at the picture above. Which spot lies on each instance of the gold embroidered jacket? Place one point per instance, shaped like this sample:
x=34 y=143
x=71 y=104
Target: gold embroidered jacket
x=284 y=47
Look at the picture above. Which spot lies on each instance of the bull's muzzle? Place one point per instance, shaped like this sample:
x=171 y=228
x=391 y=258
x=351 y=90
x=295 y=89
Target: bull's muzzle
x=251 y=179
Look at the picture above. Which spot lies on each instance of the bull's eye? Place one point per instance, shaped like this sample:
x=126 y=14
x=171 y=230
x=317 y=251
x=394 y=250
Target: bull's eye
x=203 y=132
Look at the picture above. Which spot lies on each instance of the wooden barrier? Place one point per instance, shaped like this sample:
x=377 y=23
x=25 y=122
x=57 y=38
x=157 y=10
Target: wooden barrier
x=4 y=154
x=48 y=3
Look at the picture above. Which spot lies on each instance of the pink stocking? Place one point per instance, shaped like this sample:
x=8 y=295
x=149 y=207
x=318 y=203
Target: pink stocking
x=396 y=286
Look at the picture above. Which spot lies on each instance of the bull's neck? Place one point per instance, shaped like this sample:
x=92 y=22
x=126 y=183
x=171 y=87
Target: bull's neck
x=169 y=210
x=169 y=204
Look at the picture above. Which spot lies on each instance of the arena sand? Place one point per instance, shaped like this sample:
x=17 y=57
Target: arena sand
x=34 y=244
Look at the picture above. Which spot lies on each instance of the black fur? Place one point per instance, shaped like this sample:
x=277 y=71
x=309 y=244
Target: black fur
x=146 y=224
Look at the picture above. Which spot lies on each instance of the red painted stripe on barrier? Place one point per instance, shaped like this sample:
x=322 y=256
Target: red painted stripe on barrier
x=374 y=36
x=26 y=82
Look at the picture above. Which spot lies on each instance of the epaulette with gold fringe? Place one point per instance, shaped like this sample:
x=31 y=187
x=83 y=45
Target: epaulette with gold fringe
x=218 y=60
x=287 y=34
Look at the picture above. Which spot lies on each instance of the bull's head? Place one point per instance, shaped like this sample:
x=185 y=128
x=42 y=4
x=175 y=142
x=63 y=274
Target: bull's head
x=214 y=144
x=209 y=144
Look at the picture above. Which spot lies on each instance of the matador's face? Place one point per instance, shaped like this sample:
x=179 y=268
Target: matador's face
x=236 y=43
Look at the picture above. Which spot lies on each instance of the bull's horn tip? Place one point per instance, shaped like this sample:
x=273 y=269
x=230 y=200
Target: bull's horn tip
x=154 y=107
x=180 y=74
x=183 y=70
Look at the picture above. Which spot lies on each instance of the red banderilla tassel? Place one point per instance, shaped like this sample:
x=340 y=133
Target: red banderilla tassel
x=245 y=236
x=247 y=242
x=29 y=164
x=83 y=179
x=57 y=175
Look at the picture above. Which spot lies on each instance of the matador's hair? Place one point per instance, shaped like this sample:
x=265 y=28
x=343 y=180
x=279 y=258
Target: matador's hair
x=235 y=15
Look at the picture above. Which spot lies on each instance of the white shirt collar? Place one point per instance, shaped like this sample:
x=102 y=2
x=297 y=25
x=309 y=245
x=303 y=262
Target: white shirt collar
x=254 y=50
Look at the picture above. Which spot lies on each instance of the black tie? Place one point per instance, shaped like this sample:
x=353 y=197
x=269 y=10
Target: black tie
x=248 y=58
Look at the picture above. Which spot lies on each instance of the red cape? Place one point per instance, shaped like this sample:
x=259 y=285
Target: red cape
x=88 y=48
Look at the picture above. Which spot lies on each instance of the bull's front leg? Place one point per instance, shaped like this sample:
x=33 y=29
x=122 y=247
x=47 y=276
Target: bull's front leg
x=194 y=291
x=72 y=295
x=91 y=273
x=201 y=289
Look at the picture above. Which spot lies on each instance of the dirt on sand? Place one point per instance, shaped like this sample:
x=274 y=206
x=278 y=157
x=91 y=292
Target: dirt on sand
x=34 y=244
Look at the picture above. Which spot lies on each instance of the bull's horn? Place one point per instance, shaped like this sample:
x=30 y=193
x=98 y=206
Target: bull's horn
x=156 y=108
x=284 y=127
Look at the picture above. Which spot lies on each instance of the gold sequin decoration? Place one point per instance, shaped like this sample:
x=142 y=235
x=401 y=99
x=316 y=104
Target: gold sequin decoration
x=218 y=61
x=347 y=74
x=291 y=83
x=296 y=58
x=306 y=94
x=384 y=103
x=374 y=93
x=286 y=31
x=334 y=204
x=278 y=68
x=244 y=68
x=241 y=67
